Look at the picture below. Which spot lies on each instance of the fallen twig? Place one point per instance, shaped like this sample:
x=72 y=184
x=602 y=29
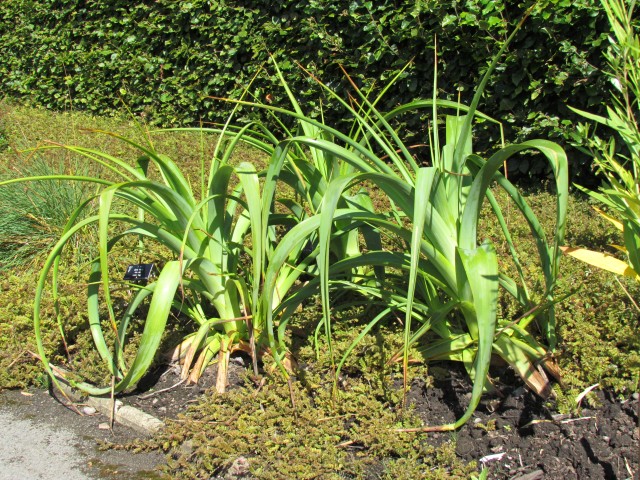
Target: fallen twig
x=15 y=360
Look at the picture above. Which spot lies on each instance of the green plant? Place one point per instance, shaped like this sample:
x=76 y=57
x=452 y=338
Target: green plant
x=620 y=167
x=218 y=247
x=233 y=274
x=484 y=474
x=453 y=281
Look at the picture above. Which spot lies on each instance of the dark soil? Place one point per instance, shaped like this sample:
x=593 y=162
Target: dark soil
x=519 y=434
x=515 y=434
x=161 y=393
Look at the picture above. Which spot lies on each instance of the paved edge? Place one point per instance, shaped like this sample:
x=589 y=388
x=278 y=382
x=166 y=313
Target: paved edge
x=126 y=415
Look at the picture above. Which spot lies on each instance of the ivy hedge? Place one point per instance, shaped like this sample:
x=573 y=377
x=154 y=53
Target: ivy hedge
x=166 y=59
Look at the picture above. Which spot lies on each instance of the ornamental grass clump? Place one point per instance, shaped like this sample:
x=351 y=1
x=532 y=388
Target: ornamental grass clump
x=33 y=216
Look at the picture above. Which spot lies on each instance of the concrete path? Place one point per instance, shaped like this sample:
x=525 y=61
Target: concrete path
x=41 y=439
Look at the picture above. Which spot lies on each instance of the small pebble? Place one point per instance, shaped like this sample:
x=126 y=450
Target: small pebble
x=240 y=467
x=238 y=361
x=187 y=447
x=635 y=396
x=104 y=426
x=88 y=410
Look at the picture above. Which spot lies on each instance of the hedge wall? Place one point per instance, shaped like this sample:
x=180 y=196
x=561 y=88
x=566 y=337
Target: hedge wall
x=166 y=58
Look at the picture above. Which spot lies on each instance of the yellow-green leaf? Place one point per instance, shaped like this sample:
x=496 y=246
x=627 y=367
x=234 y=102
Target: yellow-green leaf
x=601 y=260
x=616 y=223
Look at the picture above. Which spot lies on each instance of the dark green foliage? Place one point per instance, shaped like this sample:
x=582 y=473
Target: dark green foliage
x=164 y=59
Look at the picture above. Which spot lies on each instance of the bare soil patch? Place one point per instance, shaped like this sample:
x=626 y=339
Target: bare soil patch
x=519 y=434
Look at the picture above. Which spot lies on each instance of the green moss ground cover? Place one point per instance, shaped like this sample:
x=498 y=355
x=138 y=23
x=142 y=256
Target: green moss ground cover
x=597 y=325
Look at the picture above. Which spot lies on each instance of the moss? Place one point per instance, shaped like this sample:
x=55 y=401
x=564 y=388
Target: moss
x=348 y=433
x=599 y=328
x=18 y=368
x=350 y=437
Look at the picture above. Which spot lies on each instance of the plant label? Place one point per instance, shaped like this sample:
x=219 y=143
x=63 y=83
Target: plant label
x=140 y=273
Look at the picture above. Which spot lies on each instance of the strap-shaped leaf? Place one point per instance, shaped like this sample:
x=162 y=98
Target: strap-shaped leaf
x=159 y=309
x=480 y=270
x=424 y=179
